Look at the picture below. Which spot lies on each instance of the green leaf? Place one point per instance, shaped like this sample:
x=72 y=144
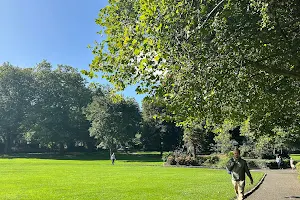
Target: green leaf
x=137 y=51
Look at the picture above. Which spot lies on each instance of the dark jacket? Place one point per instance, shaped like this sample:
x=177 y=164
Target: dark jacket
x=238 y=169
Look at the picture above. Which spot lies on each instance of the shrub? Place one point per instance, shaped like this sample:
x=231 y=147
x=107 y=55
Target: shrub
x=263 y=163
x=194 y=162
x=171 y=160
x=166 y=155
x=211 y=160
x=214 y=159
x=188 y=160
x=222 y=163
x=180 y=160
x=230 y=154
x=257 y=163
x=200 y=159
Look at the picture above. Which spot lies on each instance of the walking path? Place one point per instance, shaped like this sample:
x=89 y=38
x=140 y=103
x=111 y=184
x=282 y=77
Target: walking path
x=278 y=185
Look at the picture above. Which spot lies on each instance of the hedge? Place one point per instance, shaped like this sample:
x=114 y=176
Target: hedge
x=191 y=161
x=220 y=161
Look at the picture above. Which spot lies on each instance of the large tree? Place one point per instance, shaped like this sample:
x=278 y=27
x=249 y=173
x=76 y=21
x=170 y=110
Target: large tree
x=198 y=138
x=56 y=116
x=16 y=94
x=157 y=133
x=114 y=120
x=208 y=59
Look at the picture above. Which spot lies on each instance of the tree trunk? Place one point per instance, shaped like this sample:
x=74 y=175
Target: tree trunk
x=161 y=148
x=7 y=144
x=195 y=150
x=90 y=146
x=61 y=148
x=71 y=146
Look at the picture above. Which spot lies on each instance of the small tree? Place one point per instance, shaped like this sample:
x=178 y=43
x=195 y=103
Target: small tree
x=223 y=137
x=158 y=133
x=114 y=120
x=194 y=137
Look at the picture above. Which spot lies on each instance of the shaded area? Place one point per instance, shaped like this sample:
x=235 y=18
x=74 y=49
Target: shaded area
x=103 y=155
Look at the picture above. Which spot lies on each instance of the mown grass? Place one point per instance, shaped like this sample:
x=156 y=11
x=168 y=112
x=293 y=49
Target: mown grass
x=29 y=178
x=296 y=157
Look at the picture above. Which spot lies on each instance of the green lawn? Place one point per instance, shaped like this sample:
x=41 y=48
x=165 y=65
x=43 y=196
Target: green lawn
x=29 y=178
x=295 y=157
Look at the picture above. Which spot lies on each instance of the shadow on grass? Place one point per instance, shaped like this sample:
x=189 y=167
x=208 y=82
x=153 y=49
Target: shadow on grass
x=128 y=157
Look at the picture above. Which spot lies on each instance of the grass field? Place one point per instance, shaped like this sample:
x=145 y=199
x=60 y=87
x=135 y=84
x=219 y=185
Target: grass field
x=295 y=157
x=144 y=178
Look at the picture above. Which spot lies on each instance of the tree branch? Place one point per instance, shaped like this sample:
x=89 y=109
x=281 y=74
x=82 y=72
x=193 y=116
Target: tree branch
x=277 y=71
x=211 y=12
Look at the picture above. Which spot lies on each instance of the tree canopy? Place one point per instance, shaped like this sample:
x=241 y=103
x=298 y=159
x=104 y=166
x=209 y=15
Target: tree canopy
x=158 y=133
x=16 y=94
x=114 y=121
x=207 y=59
x=43 y=106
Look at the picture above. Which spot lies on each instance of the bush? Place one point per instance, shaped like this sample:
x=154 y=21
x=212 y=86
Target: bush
x=180 y=160
x=188 y=160
x=263 y=163
x=200 y=159
x=230 y=154
x=257 y=163
x=166 y=155
x=209 y=160
x=191 y=161
x=194 y=162
x=268 y=156
x=222 y=163
x=273 y=165
x=171 y=160
x=213 y=159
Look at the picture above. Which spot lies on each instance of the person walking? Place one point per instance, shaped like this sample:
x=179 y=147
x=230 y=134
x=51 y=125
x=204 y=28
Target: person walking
x=238 y=168
x=278 y=161
x=281 y=162
x=113 y=158
x=292 y=164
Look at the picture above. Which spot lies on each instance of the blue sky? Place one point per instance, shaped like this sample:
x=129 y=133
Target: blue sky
x=56 y=30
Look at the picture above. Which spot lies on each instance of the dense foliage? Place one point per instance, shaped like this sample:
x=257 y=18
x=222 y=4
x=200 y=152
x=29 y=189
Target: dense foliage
x=214 y=60
x=114 y=122
x=158 y=133
x=42 y=108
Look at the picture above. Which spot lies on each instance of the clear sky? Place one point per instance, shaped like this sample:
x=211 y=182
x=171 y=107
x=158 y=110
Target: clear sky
x=56 y=30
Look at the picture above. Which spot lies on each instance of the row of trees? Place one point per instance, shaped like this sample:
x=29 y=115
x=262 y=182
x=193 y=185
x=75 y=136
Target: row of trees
x=42 y=106
x=54 y=108
x=46 y=108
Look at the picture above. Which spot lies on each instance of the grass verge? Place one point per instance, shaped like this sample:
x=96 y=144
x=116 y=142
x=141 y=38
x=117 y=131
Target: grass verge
x=296 y=157
x=29 y=178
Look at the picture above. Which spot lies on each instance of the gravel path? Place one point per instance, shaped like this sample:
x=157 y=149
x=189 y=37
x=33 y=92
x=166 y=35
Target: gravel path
x=278 y=184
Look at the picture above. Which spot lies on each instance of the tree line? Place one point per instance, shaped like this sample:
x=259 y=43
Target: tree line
x=54 y=109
